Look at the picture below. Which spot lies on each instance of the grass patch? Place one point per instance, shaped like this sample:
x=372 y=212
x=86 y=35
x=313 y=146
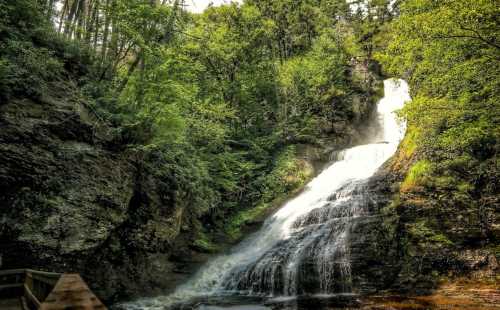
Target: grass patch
x=416 y=175
x=409 y=143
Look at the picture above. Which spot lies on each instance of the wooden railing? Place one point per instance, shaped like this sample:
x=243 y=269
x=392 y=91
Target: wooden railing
x=31 y=286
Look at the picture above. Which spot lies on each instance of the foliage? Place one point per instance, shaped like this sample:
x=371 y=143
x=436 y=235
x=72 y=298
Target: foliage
x=446 y=49
x=204 y=244
x=288 y=174
x=34 y=59
x=23 y=66
x=20 y=18
x=448 y=52
x=427 y=236
x=212 y=105
x=27 y=69
x=315 y=89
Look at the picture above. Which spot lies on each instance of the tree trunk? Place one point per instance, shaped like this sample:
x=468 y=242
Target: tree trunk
x=97 y=26
x=80 y=19
x=68 y=29
x=106 y=33
x=130 y=71
x=63 y=13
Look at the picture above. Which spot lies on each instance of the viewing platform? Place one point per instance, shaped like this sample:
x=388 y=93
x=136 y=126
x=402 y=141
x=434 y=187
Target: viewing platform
x=28 y=289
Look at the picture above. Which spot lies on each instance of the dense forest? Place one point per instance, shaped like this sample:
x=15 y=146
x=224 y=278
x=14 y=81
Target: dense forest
x=218 y=100
x=211 y=119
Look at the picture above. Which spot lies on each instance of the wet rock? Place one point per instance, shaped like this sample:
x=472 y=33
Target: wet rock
x=409 y=242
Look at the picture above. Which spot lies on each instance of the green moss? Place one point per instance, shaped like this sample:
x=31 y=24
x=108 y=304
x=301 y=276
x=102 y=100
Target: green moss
x=204 y=244
x=445 y=181
x=409 y=144
x=425 y=235
x=416 y=175
x=236 y=223
x=440 y=238
x=390 y=218
x=465 y=187
x=395 y=203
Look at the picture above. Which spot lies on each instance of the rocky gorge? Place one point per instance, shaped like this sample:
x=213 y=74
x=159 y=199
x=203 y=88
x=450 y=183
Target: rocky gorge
x=240 y=155
x=76 y=201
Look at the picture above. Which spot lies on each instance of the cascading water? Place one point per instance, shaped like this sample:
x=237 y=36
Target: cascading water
x=304 y=247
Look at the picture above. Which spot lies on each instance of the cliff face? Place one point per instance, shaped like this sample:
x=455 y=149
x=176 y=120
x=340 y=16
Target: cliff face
x=73 y=198
x=414 y=240
x=71 y=202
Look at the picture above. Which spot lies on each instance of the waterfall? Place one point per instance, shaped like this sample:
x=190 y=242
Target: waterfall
x=304 y=247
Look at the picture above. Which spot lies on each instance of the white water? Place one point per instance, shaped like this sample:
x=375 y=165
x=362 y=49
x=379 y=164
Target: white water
x=357 y=163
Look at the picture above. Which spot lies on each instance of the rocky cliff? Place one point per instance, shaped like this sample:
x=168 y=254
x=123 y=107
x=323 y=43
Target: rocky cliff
x=415 y=240
x=71 y=201
x=74 y=198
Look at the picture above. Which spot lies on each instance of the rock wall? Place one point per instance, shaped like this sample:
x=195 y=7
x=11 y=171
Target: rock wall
x=412 y=242
x=70 y=200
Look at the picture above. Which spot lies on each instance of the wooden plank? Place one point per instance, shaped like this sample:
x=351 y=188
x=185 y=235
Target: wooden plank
x=71 y=292
x=11 y=272
x=10 y=286
x=44 y=273
x=28 y=294
x=24 y=303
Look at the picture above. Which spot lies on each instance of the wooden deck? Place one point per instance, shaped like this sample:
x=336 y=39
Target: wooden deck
x=28 y=289
x=71 y=292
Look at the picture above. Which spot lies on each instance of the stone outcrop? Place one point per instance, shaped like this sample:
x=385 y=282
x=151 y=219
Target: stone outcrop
x=72 y=200
x=410 y=243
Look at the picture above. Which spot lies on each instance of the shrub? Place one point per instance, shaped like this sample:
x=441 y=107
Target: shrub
x=416 y=175
x=27 y=70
